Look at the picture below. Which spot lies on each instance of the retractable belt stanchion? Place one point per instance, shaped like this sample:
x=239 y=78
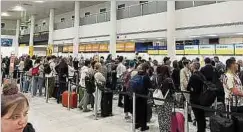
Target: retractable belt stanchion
x=134 y=114
x=96 y=101
x=69 y=91
x=186 y=116
x=47 y=96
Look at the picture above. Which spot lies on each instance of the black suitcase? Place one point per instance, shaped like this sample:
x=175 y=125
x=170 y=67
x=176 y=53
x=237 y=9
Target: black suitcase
x=106 y=103
x=238 y=122
x=221 y=124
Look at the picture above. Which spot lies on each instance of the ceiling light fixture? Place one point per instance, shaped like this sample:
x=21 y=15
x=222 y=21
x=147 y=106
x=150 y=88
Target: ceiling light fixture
x=239 y=33
x=4 y=14
x=39 y=1
x=194 y=36
x=18 y=8
x=212 y=35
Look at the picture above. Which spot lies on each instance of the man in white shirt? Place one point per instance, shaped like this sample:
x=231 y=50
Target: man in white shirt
x=121 y=69
x=51 y=76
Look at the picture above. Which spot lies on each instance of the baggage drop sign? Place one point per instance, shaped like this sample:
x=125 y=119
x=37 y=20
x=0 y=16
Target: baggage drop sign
x=239 y=49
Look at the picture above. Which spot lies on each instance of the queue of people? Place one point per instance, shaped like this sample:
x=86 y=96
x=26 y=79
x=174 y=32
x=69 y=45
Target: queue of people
x=139 y=76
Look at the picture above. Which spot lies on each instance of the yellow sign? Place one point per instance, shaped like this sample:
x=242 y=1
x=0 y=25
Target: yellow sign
x=239 y=49
x=191 y=49
x=22 y=45
x=153 y=52
x=163 y=52
x=31 y=51
x=49 y=50
x=207 y=49
x=223 y=49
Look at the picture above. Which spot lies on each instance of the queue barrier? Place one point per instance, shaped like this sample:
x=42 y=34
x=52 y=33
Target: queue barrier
x=134 y=95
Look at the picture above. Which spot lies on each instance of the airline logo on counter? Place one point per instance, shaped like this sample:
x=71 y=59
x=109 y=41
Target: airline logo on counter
x=207 y=49
x=225 y=49
x=191 y=49
x=239 y=49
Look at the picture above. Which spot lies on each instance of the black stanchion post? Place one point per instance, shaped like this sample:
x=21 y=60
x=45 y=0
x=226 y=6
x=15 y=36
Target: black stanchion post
x=134 y=114
x=69 y=89
x=47 y=96
x=96 y=101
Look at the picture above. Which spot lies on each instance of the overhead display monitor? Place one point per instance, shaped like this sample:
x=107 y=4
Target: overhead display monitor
x=120 y=47
x=95 y=47
x=6 y=42
x=103 y=48
x=225 y=49
x=88 y=47
x=206 y=49
x=81 y=48
x=180 y=49
x=162 y=50
x=130 y=46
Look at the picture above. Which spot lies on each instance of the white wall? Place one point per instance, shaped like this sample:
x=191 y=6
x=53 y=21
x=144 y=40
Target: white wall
x=231 y=40
x=9 y=24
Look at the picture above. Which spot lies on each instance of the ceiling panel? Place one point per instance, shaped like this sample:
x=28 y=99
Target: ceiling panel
x=41 y=10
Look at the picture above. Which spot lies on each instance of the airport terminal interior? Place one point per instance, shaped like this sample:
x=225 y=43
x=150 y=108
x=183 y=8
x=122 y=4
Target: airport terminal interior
x=134 y=30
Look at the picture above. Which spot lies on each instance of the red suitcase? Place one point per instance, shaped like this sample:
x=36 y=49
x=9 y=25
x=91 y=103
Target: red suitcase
x=73 y=100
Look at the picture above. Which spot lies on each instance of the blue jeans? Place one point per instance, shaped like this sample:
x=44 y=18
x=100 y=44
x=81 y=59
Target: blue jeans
x=37 y=85
x=26 y=84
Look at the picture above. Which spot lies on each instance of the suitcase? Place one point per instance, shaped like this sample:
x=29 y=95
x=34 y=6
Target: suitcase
x=177 y=122
x=221 y=124
x=72 y=101
x=106 y=104
x=238 y=122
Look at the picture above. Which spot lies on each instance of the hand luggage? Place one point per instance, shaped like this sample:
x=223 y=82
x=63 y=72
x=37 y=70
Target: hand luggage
x=219 y=123
x=72 y=100
x=106 y=103
x=238 y=122
x=177 y=122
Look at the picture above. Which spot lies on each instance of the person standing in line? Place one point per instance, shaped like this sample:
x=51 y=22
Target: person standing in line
x=84 y=73
x=165 y=83
x=176 y=75
x=233 y=87
x=62 y=76
x=185 y=75
x=121 y=69
x=51 y=75
x=195 y=86
x=35 y=76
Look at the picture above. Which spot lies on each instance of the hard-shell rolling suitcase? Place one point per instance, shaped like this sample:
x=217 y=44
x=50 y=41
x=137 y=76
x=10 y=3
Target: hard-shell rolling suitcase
x=177 y=122
x=106 y=104
x=238 y=122
x=72 y=100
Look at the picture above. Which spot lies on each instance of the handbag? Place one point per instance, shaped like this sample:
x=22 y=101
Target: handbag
x=158 y=94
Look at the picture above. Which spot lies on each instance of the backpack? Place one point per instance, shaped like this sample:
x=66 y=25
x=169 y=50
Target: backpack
x=47 y=68
x=209 y=93
x=35 y=71
x=90 y=84
x=136 y=84
x=127 y=78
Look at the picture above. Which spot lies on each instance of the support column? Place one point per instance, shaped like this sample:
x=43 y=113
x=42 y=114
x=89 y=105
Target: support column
x=171 y=30
x=51 y=29
x=32 y=29
x=17 y=38
x=76 y=28
x=113 y=32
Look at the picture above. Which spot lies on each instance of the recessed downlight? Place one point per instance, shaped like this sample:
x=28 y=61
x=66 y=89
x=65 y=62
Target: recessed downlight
x=39 y=1
x=4 y=14
x=18 y=8
x=212 y=35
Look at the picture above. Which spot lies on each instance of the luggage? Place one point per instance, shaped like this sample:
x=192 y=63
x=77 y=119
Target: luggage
x=177 y=122
x=72 y=101
x=136 y=84
x=221 y=124
x=238 y=122
x=106 y=104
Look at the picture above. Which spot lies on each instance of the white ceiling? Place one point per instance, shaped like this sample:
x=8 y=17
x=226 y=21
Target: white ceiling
x=41 y=10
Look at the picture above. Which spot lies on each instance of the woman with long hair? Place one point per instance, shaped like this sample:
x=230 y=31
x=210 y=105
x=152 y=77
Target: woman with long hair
x=166 y=85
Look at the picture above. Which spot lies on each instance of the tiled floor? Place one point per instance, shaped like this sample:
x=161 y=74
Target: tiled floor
x=51 y=117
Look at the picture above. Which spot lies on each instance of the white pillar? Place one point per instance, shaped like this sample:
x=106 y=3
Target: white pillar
x=51 y=27
x=113 y=28
x=50 y=36
x=32 y=29
x=171 y=30
x=17 y=38
x=76 y=28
